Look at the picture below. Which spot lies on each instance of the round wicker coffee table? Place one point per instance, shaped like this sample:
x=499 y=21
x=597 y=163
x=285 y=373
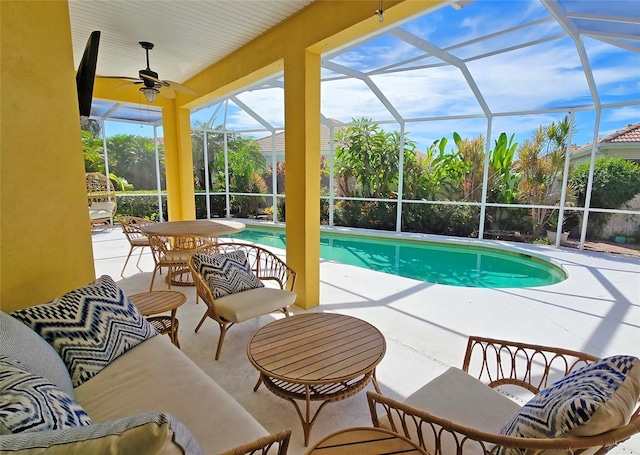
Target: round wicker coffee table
x=365 y=441
x=156 y=302
x=321 y=357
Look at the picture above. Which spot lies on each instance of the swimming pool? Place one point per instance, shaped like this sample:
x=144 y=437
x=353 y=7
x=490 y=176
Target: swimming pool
x=453 y=265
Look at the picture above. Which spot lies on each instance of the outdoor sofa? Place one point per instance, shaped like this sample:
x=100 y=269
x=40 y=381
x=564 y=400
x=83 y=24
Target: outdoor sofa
x=86 y=373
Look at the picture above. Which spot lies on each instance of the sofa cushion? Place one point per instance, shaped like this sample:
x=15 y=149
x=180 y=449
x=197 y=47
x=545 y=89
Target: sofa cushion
x=226 y=273
x=29 y=402
x=30 y=350
x=594 y=399
x=156 y=376
x=89 y=327
x=145 y=434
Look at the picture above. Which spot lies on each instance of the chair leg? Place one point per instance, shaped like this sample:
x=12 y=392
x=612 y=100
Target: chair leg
x=139 y=257
x=204 y=317
x=126 y=262
x=169 y=276
x=153 y=277
x=223 y=331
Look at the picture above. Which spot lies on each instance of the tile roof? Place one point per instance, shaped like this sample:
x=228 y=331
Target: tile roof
x=628 y=135
x=325 y=138
x=631 y=133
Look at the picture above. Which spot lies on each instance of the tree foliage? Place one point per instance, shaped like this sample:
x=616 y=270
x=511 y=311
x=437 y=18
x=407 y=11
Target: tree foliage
x=366 y=160
x=541 y=164
x=615 y=182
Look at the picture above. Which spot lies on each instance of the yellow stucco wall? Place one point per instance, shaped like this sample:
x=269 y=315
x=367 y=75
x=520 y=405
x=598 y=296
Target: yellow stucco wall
x=45 y=235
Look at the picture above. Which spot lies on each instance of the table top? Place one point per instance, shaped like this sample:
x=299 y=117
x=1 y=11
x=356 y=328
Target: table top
x=156 y=302
x=364 y=441
x=316 y=348
x=204 y=228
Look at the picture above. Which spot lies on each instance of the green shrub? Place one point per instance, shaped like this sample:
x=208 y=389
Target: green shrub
x=140 y=205
x=615 y=182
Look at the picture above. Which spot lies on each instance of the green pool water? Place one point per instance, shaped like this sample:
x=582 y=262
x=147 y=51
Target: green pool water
x=453 y=265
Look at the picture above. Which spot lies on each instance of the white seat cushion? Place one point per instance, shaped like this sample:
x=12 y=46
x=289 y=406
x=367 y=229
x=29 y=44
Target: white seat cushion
x=99 y=214
x=107 y=206
x=246 y=305
x=459 y=397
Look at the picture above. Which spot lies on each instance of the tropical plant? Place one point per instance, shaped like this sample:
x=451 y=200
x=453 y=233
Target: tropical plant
x=133 y=159
x=471 y=152
x=367 y=160
x=246 y=165
x=445 y=172
x=541 y=163
x=503 y=180
x=93 y=152
x=215 y=146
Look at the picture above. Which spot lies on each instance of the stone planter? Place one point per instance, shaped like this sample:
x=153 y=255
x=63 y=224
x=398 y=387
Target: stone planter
x=551 y=236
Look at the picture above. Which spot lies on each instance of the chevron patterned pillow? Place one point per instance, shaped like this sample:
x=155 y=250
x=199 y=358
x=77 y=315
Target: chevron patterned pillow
x=89 y=327
x=29 y=402
x=226 y=273
x=592 y=400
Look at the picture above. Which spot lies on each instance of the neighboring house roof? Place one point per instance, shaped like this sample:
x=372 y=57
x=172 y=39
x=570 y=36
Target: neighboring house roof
x=624 y=143
x=266 y=143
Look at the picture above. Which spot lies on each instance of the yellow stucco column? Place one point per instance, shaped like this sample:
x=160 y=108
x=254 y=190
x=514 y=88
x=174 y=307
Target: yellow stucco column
x=302 y=180
x=45 y=234
x=176 y=123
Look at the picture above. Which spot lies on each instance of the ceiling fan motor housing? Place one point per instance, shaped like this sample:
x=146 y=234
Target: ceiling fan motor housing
x=149 y=79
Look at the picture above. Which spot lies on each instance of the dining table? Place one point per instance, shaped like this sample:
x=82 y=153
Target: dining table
x=177 y=230
x=202 y=228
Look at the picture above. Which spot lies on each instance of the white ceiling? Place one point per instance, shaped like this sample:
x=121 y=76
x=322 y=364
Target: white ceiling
x=188 y=35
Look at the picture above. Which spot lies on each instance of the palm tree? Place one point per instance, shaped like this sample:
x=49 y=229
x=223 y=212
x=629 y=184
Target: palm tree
x=541 y=162
x=471 y=152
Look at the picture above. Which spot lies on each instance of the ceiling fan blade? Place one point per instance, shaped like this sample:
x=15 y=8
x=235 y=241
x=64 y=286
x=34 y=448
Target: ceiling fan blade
x=167 y=92
x=154 y=79
x=124 y=78
x=173 y=85
x=131 y=83
x=181 y=88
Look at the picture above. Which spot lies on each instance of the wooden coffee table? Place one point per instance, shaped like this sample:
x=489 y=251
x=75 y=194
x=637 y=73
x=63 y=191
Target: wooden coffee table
x=365 y=441
x=316 y=357
x=158 y=302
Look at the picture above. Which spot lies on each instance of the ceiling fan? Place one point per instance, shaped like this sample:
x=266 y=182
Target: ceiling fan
x=151 y=85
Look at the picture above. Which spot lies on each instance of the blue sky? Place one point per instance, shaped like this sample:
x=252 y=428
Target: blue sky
x=546 y=75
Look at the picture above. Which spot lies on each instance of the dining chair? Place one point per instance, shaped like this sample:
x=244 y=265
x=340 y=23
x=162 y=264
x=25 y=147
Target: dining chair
x=132 y=229
x=173 y=253
x=232 y=284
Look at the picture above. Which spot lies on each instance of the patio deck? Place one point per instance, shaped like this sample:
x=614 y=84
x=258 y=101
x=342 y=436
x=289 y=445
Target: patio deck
x=597 y=310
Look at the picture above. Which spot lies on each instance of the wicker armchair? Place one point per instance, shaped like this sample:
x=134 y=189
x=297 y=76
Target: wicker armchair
x=496 y=363
x=242 y=306
x=101 y=197
x=274 y=444
x=173 y=253
x=132 y=228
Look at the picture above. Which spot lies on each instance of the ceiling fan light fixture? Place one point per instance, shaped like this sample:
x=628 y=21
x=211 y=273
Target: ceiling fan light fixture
x=150 y=93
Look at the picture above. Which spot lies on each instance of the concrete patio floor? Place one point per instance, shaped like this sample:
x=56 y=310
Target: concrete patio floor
x=597 y=310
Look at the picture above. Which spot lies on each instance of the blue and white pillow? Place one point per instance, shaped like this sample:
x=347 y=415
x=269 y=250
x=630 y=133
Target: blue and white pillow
x=29 y=402
x=226 y=273
x=89 y=327
x=592 y=400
